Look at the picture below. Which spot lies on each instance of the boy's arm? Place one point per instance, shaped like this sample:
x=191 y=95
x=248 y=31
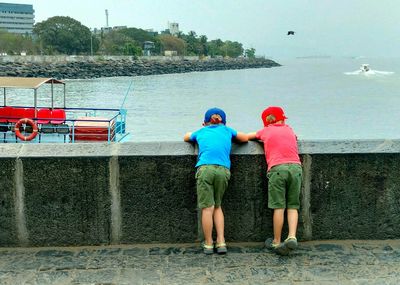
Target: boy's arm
x=252 y=136
x=186 y=138
x=241 y=137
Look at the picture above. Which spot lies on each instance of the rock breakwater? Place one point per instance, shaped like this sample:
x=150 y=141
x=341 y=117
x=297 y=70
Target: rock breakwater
x=123 y=67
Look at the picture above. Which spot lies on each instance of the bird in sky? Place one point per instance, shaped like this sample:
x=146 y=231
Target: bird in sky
x=290 y=33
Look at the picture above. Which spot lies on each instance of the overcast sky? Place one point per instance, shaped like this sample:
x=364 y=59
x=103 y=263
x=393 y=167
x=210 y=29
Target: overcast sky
x=323 y=27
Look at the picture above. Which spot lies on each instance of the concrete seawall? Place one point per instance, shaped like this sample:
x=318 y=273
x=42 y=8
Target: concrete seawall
x=69 y=67
x=91 y=194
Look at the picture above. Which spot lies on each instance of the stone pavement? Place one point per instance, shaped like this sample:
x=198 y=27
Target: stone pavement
x=317 y=262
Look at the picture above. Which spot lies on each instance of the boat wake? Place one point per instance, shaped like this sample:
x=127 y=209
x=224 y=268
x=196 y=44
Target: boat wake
x=367 y=71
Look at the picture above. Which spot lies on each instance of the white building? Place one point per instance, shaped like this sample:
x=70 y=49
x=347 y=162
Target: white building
x=173 y=28
x=17 y=18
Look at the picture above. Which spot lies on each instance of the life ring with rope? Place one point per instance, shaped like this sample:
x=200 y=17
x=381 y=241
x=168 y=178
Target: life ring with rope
x=28 y=122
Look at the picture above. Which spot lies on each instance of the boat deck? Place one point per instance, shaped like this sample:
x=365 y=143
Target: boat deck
x=67 y=125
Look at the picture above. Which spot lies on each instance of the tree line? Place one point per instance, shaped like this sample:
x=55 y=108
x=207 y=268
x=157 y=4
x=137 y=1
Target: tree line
x=65 y=35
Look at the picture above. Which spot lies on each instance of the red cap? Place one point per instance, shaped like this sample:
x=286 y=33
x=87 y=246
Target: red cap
x=277 y=112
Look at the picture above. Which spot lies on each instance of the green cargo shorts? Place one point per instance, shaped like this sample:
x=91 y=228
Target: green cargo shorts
x=284 y=185
x=212 y=181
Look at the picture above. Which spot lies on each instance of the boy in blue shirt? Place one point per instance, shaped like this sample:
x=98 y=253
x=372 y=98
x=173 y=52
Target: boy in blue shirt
x=213 y=173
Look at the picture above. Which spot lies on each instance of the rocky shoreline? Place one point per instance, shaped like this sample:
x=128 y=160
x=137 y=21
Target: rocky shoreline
x=111 y=68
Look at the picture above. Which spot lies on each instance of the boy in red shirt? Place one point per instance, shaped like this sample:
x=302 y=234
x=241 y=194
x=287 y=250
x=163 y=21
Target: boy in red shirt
x=284 y=176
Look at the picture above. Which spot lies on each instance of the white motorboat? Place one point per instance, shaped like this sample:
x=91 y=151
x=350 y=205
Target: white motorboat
x=365 y=67
x=366 y=70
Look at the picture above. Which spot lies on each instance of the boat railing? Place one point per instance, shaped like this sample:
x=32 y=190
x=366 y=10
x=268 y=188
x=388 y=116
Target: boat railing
x=61 y=124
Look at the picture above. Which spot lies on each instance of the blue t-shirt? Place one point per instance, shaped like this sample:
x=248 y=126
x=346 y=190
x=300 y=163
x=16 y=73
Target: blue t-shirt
x=215 y=143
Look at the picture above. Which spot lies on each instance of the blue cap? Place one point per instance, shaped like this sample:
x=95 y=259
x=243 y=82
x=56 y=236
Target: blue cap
x=214 y=111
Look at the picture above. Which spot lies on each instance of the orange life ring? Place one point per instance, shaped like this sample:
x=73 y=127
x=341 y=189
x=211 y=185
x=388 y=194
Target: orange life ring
x=27 y=122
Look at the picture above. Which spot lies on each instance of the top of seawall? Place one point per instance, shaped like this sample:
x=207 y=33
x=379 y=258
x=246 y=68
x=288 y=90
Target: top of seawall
x=182 y=148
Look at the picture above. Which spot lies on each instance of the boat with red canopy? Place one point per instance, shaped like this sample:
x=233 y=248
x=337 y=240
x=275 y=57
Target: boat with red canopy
x=51 y=123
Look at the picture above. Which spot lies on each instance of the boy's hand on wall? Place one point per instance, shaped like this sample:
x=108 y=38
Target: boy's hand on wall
x=186 y=137
x=251 y=136
x=241 y=137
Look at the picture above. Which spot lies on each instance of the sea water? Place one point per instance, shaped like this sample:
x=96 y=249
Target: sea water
x=324 y=98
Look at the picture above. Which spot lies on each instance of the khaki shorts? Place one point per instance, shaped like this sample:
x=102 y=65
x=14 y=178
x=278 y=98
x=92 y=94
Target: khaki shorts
x=212 y=181
x=284 y=185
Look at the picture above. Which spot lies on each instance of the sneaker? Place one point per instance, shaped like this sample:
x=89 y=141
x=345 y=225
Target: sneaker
x=207 y=249
x=221 y=248
x=269 y=244
x=291 y=243
x=280 y=248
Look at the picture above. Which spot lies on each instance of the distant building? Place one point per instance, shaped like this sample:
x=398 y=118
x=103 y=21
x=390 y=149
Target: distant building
x=170 y=53
x=106 y=30
x=165 y=32
x=173 y=28
x=115 y=28
x=148 y=46
x=17 y=18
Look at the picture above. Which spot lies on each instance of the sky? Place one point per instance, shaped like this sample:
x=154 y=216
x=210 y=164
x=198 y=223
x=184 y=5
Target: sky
x=349 y=28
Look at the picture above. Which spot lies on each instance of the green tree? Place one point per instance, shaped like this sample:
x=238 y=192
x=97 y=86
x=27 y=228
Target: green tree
x=64 y=35
x=140 y=36
x=131 y=49
x=117 y=43
x=250 y=53
x=232 y=49
x=16 y=43
x=194 y=46
x=203 y=45
x=169 y=42
x=214 y=48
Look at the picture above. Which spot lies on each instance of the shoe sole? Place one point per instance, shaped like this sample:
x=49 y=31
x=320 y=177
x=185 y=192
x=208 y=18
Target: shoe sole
x=208 y=251
x=222 y=250
x=282 y=250
x=268 y=244
x=291 y=244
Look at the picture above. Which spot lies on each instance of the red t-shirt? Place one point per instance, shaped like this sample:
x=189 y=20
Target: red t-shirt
x=280 y=144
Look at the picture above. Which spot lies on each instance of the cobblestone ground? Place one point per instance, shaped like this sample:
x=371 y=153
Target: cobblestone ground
x=318 y=262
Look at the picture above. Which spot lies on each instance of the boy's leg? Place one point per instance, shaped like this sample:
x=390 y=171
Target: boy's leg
x=207 y=224
x=205 y=199
x=219 y=224
x=278 y=224
x=277 y=198
x=293 y=217
x=293 y=201
x=220 y=185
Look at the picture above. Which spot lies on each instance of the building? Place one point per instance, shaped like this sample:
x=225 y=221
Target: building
x=17 y=18
x=170 y=53
x=105 y=30
x=116 y=28
x=148 y=46
x=173 y=28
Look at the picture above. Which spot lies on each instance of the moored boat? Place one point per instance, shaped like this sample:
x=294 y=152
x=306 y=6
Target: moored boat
x=55 y=124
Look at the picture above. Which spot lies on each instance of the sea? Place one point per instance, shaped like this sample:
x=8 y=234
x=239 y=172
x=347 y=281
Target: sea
x=324 y=98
